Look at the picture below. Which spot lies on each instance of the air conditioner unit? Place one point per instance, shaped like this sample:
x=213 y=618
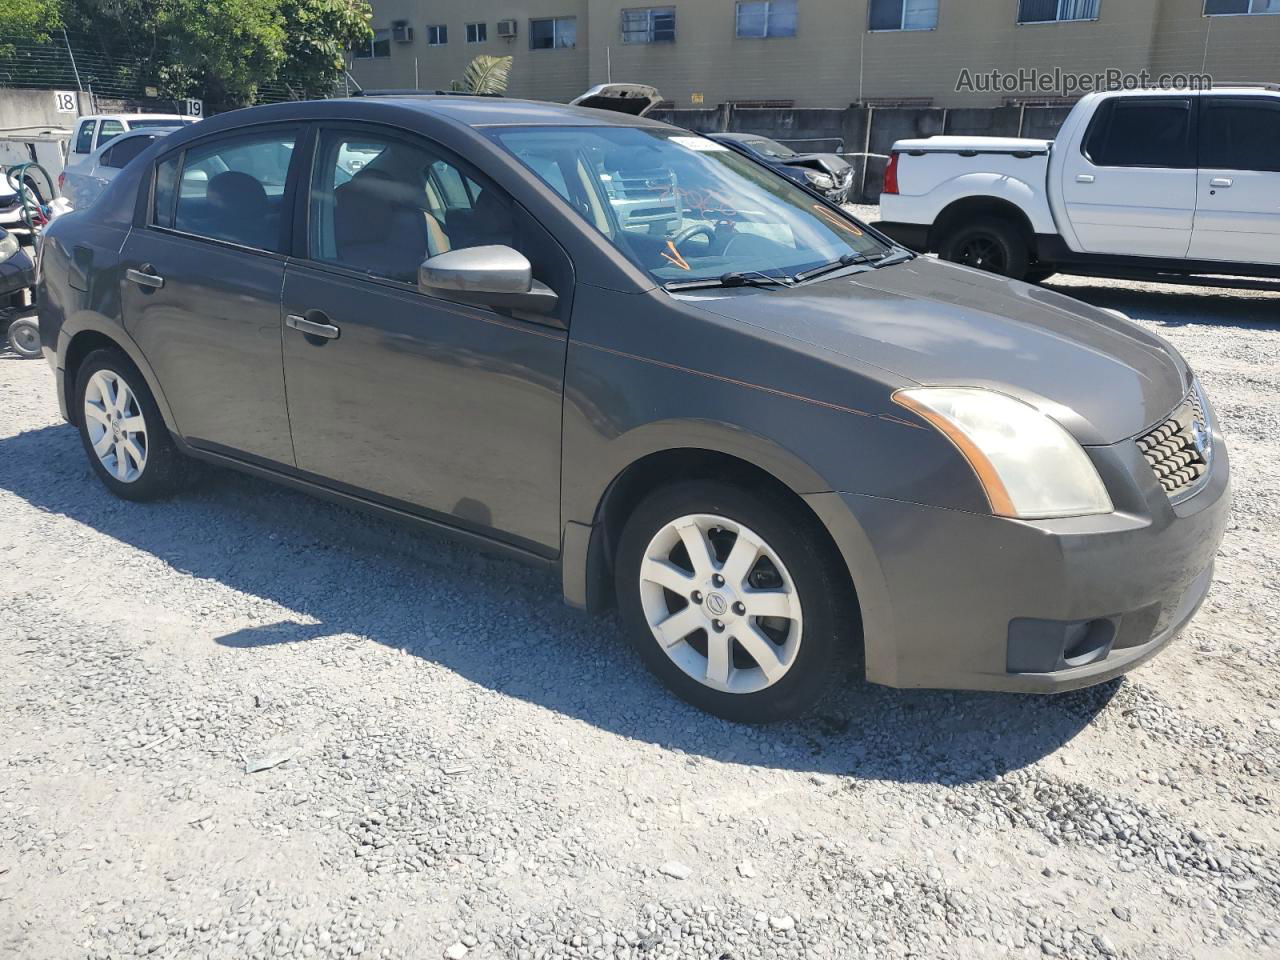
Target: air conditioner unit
x=401 y=32
x=507 y=29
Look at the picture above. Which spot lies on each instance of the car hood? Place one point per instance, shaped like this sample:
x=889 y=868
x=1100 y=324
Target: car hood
x=1103 y=377
x=831 y=163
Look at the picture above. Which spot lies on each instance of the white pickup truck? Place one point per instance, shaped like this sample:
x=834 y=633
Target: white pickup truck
x=1146 y=184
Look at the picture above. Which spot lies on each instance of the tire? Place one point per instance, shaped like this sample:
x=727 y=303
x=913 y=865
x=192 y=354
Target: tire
x=988 y=243
x=24 y=338
x=809 y=642
x=161 y=470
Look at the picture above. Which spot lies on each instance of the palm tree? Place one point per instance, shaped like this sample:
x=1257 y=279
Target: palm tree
x=485 y=74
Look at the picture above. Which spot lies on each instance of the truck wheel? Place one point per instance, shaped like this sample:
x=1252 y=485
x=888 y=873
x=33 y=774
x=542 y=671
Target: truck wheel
x=988 y=243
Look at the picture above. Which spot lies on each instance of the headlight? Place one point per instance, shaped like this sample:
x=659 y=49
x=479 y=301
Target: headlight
x=819 y=179
x=8 y=245
x=1029 y=466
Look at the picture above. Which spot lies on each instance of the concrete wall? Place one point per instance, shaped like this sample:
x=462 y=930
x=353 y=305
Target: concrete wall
x=833 y=60
x=35 y=108
x=1227 y=48
x=538 y=74
x=871 y=131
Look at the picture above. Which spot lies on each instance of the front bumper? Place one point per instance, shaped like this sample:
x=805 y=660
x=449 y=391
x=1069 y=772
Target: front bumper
x=16 y=274
x=945 y=594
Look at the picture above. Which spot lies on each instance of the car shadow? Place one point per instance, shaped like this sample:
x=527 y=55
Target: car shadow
x=503 y=625
x=1177 y=306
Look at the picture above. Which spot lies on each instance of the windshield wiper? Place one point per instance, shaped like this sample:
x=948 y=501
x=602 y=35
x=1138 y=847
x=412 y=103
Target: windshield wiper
x=743 y=278
x=898 y=256
x=848 y=260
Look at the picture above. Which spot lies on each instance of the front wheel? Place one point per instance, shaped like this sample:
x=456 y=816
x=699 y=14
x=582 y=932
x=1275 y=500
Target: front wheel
x=988 y=243
x=122 y=430
x=733 y=601
x=24 y=338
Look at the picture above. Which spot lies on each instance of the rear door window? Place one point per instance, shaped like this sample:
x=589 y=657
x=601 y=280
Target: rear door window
x=124 y=151
x=84 y=136
x=1143 y=133
x=232 y=189
x=1240 y=134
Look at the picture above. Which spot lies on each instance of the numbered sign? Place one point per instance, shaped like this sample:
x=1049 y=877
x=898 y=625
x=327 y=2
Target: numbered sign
x=193 y=108
x=65 y=101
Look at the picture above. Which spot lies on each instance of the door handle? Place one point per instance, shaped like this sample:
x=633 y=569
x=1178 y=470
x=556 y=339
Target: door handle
x=311 y=328
x=144 y=277
x=1085 y=178
x=1222 y=182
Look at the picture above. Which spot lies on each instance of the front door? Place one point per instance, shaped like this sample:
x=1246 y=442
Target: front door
x=1238 y=213
x=201 y=294
x=435 y=407
x=1130 y=189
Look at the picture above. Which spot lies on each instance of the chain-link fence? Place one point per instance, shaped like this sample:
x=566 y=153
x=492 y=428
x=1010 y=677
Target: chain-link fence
x=73 y=61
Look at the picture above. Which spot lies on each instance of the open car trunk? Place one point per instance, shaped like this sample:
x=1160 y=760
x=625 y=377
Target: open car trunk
x=635 y=99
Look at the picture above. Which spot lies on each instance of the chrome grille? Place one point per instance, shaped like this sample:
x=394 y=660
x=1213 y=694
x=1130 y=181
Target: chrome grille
x=1180 y=450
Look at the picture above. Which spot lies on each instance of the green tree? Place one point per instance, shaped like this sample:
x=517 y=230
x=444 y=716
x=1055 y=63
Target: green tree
x=319 y=33
x=222 y=51
x=30 y=20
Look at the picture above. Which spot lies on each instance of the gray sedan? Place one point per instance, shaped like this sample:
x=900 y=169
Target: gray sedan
x=765 y=433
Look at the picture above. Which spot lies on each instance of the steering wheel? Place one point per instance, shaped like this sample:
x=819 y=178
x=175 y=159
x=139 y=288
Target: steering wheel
x=693 y=230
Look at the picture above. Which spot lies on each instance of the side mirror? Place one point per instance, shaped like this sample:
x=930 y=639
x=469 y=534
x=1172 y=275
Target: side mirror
x=494 y=276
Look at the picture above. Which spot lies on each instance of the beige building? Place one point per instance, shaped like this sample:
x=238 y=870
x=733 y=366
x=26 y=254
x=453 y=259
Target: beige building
x=821 y=53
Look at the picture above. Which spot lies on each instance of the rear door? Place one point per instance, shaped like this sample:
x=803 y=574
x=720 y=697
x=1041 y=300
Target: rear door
x=1238 y=212
x=95 y=178
x=437 y=407
x=202 y=290
x=1130 y=188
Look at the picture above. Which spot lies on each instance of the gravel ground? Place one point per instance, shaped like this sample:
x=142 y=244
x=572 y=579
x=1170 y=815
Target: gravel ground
x=244 y=723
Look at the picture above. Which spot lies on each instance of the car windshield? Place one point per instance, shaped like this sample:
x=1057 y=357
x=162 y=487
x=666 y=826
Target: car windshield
x=685 y=208
x=770 y=148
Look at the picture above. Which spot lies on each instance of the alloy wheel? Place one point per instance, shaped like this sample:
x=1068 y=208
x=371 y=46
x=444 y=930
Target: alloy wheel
x=982 y=252
x=720 y=603
x=116 y=427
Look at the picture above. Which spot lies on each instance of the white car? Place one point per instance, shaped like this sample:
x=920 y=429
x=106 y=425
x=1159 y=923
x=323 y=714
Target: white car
x=83 y=182
x=93 y=132
x=1150 y=183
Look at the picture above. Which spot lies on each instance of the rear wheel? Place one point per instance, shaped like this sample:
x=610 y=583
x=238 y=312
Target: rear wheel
x=733 y=601
x=123 y=433
x=988 y=243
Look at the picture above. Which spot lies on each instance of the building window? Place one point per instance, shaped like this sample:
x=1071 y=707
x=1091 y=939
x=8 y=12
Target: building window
x=377 y=47
x=437 y=35
x=767 y=18
x=904 y=15
x=477 y=32
x=1050 y=11
x=1220 y=8
x=649 y=25
x=553 y=32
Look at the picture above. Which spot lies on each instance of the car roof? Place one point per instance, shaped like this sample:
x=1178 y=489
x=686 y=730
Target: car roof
x=740 y=137
x=1243 y=90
